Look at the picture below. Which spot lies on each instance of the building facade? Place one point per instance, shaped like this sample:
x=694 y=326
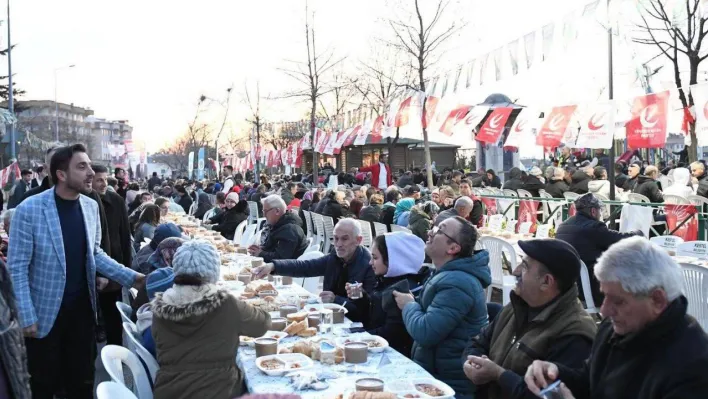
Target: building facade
x=109 y=135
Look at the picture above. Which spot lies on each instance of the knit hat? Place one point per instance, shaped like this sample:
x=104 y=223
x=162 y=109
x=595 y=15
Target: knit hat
x=200 y=258
x=587 y=201
x=163 y=231
x=406 y=253
x=233 y=197
x=159 y=281
x=559 y=257
x=535 y=171
x=164 y=253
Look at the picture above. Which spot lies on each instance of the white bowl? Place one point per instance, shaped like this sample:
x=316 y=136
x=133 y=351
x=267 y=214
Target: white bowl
x=364 y=338
x=288 y=361
x=448 y=393
x=274 y=334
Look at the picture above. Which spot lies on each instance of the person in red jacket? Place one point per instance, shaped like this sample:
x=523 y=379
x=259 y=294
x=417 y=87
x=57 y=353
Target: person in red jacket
x=380 y=173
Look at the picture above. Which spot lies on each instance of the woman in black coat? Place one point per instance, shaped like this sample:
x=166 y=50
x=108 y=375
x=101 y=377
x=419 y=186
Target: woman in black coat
x=203 y=206
x=235 y=213
x=396 y=259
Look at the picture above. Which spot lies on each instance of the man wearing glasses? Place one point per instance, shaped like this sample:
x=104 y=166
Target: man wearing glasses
x=452 y=306
x=544 y=320
x=698 y=171
x=283 y=237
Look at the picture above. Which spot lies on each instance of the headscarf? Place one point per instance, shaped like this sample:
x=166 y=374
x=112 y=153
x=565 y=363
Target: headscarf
x=402 y=206
x=307 y=196
x=203 y=204
x=162 y=257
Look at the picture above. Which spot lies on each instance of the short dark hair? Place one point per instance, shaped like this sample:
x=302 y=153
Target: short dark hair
x=619 y=167
x=50 y=149
x=144 y=193
x=154 y=174
x=40 y=169
x=116 y=170
x=467 y=238
x=25 y=172
x=392 y=195
x=160 y=201
x=180 y=189
x=291 y=185
x=62 y=157
x=466 y=181
x=229 y=167
x=598 y=171
x=99 y=169
x=380 y=242
x=112 y=181
x=220 y=197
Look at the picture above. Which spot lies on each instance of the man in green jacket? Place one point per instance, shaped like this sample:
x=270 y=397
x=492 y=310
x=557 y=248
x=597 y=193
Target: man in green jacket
x=544 y=320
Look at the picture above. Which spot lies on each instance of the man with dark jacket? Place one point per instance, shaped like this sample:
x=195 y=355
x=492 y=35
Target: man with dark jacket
x=580 y=180
x=348 y=263
x=590 y=237
x=533 y=182
x=698 y=170
x=288 y=193
x=118 y=231
x=514 y=181
x=633 y=171
x=544 y=320
x=648 y=186
x=283 y=238
x=405 y=180
x=647 y=346
x=556 y=185
x=154 y=181
x=620 y=177
x=22 y=185
x=184 y=200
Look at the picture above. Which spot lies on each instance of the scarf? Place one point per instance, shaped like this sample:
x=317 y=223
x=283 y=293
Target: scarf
x=402 y=206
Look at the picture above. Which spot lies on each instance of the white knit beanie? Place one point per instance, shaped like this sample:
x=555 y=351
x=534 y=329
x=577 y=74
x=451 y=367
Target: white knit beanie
x=406 y=253
x=233 y=196
x=198 y=257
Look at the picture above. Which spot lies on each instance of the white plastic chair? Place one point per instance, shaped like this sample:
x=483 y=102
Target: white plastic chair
x=524 y=193
x=510 y=193
x=696 y=249
x=669 y=243
x=634 y=197
x=379 y=229
x=137 y=347
x=587 y=289
x=238 y=234
x=192 y=208
x=308 y=223
x=676 y=200
x=496 y=247
x=697 y=200
x=208 y=215
x=127 y=295
x=248 y=234
x=695 y=280
x=395 y=227
x=320 y=229
x=311 y=284
x=328 y=232
x=366 y=234
x=570 y=196
x=125 y=311
x=252 y=211
x=113 y=390
x=114 y=357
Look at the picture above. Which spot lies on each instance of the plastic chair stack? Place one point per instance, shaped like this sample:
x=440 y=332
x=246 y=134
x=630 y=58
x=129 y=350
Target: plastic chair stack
x=114 y=357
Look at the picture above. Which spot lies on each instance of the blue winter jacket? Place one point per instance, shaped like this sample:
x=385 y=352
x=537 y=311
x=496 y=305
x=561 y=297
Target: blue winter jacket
x=450 y=309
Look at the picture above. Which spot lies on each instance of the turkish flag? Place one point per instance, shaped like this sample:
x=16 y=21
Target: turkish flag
x=554 y=126
x=431 y=104
x=453 y=118
x=376 y=133
x=647 y=127
x=493 y=127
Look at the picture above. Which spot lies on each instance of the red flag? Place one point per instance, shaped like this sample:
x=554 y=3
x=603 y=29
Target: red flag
x=352 y=136
x=454 y=117
x=402 y=114
x=554 y=126
x=493 y=127
x=676 y=214
x=528 y=212
x=431 y=104
x=647 y=127
x=376 y=133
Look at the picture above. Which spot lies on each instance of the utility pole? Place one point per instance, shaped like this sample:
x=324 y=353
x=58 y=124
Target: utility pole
x=11 y=100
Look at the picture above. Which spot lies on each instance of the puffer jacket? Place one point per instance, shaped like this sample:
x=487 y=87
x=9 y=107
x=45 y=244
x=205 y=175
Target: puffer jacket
x=681 y=185
x=556 y=188
x=333 y=209
x=371 y=213
x=286 y=240
x=580 y=182
x=420 y=223
x=532 y=185
x=196 y=332
x=514 y=182
x=12 y=343
x=230 y=219
x=451 y=308
x=648 y=187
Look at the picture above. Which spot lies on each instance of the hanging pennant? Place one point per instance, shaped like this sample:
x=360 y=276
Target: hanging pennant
x=457 y=80
x=453 y=118
x=513 y=49
x=377 y=130
x=647 y=127
x=700 y=99
x=529 y=48
x=597 y=127
x=341 y=137
x=497 y=54
x=470 y=74
x=349 y=140
x=329 y=145
x=554 y=126
x=363 y=133
x=493 y=127
x=444 y=86
x=474 y=117
x=525 y=122
x=547 y=44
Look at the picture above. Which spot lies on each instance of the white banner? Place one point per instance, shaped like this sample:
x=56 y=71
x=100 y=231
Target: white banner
x=597 y=126
x=329 y=147
x=700 y=100
x=190 y=164
x=522 y=129
x=363 y=133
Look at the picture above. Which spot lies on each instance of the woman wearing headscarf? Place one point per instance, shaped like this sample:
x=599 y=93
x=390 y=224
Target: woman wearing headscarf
x=682 y=183
x=236 y=212
x=396 y=259
x=372 y=213
x=402 y=212
x=203 y=206
x=196 y=327
x=149 y=219
x=421 y=219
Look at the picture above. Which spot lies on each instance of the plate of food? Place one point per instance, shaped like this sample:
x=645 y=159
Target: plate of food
x=277 y=365
x=376 y=344
x=275 y=334
x=426 y=388
x=244 y=340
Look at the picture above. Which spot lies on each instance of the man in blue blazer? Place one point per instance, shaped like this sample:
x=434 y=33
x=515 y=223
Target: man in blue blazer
x=54 y=255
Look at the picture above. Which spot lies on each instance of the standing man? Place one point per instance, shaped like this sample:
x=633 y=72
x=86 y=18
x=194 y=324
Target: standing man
x=120 y=250
x=154 y=181
x=21 y=187
x=41 y=175
x=380 y=173
x=122 y=188
x=228 y=179
x=53 y=259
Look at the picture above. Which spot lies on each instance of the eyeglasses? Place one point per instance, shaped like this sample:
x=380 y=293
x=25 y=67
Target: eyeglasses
x=265 y=211
x=436 y=230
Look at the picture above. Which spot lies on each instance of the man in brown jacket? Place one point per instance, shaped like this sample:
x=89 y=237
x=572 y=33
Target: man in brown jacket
x=544 y=320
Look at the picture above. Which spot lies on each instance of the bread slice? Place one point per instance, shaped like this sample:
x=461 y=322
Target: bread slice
x=295 y=327
x=298 y=316
x=308 y=332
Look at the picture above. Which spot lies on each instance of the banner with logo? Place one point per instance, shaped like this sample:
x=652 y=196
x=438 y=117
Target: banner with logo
x=377 y=130
x=554 y=126
x=676 y=214
x=200 y=164
x=431 y=106
x=597 y=127
x=363 y=133
x=700 y=99
x=351 y=136
x=190 y=164
x=528 y=213
x=493 y=127
x=523 y=126
x=647 y=127
x=490 y=204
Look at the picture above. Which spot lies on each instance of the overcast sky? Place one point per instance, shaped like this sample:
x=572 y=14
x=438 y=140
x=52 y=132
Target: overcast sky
x=149 y=61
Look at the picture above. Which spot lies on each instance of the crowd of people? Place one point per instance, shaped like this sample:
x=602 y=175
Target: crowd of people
x=424 y=291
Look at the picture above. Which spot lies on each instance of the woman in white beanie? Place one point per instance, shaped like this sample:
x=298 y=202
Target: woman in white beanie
x=235 y=213
x=397 y=260
x=196 y=327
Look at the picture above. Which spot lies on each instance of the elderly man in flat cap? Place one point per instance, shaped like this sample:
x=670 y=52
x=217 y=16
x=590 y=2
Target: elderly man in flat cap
x=590 y=237
x=544 y=320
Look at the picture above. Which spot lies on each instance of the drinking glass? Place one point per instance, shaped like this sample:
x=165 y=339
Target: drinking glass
x=326 y=321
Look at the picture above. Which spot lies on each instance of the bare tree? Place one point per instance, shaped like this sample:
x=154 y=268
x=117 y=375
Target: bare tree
x=679 y=39
x=175 y=155
x=312 y=75
x=421 y=39
x=225 y=104
x=341 y=90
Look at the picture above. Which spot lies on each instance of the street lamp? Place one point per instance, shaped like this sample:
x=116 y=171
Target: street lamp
x=56 y=104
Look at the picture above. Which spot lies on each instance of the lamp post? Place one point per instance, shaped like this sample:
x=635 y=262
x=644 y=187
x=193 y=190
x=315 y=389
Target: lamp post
x=56 y=104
